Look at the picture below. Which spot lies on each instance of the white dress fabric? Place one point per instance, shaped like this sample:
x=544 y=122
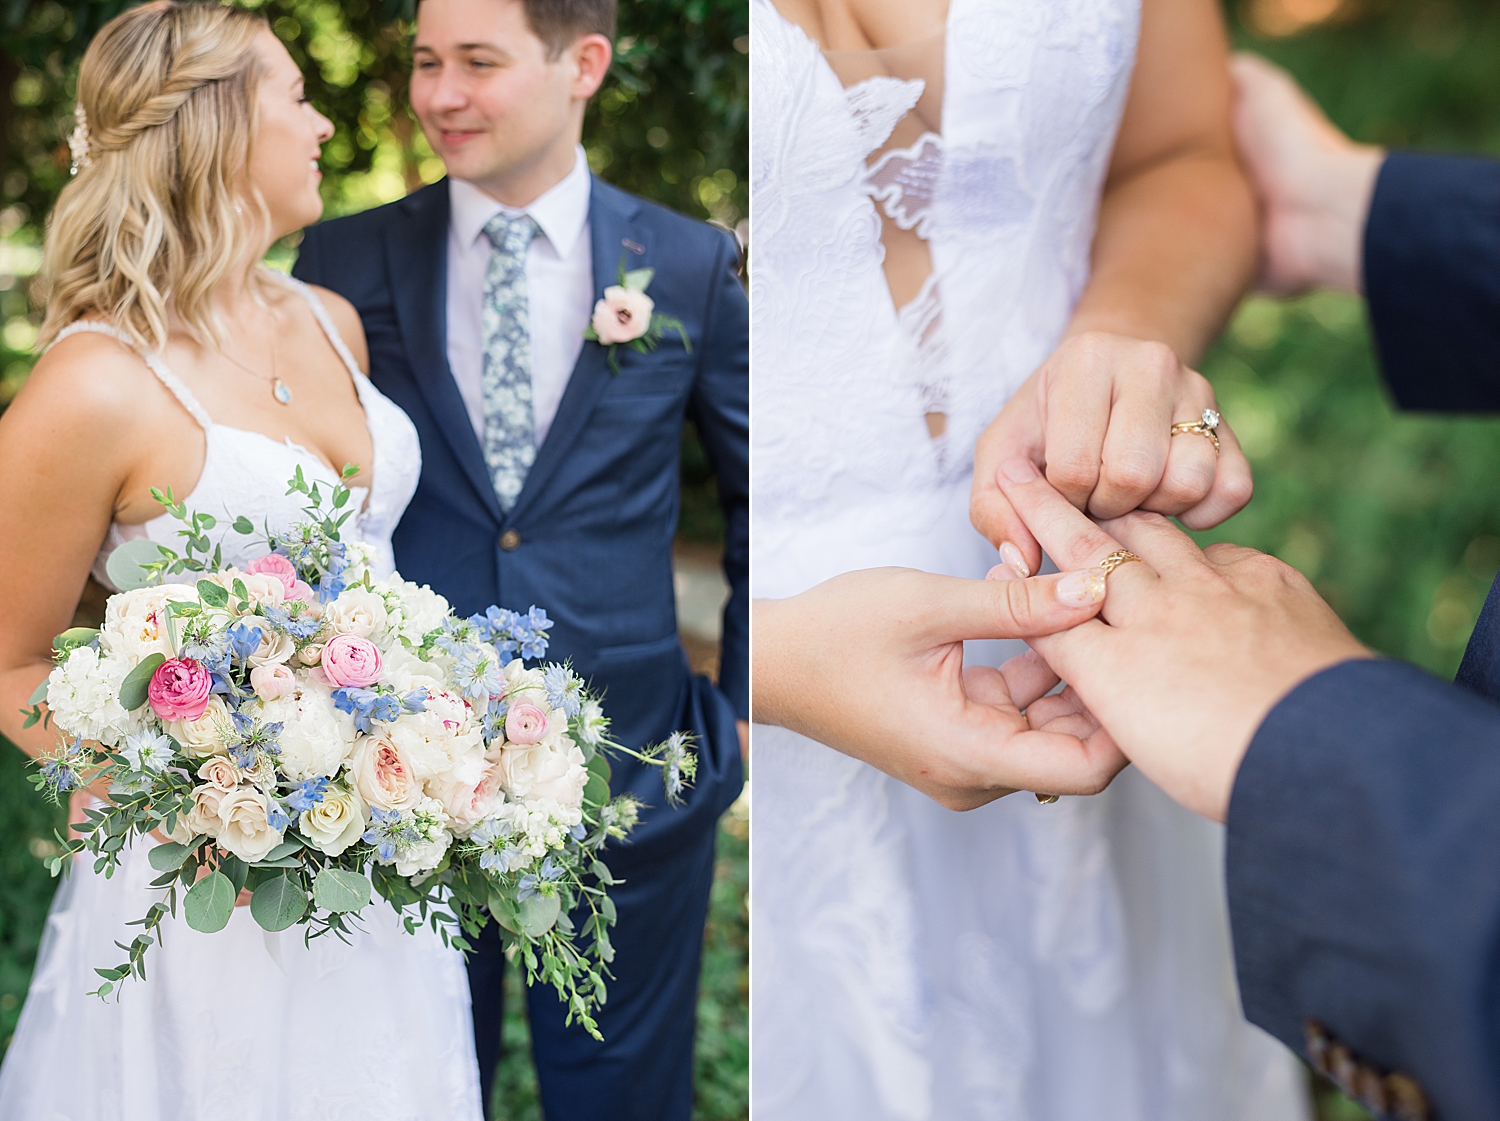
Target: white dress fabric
x=245 y=1024
x=1021 y=961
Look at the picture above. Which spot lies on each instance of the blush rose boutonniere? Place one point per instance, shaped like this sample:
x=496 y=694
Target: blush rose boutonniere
x=626 y=316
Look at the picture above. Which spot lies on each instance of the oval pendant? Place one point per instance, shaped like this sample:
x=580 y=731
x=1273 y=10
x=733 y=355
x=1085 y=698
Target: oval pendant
x=281 y=392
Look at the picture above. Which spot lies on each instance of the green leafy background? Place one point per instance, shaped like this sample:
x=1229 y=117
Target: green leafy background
x=669 y=124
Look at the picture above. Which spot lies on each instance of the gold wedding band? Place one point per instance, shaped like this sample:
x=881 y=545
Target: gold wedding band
x=1115 y=560
x=1204 y=426
x=1047 y=799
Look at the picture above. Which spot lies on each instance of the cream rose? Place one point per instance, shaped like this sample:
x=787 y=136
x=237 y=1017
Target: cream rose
x=208 y=734
x=243 y=826
x=543 y=770
x=468 y=803
x=203 y=819
x=358 y=612
x=383 y=774
x=219 y=772
x=337 y=821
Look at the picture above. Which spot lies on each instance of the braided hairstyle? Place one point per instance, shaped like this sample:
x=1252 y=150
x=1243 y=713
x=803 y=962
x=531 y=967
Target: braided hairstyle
x=152 y=221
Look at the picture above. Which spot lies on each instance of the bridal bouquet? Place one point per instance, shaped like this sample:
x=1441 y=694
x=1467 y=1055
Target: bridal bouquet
x=305 y=732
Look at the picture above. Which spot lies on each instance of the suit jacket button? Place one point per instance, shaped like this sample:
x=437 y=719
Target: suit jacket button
x=509 y=540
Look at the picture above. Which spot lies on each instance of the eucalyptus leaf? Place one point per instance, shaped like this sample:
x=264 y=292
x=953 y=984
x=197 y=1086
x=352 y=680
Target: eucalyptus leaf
x=72 y=638
x=39 y=694
x=127 y=564
x=278 y=903
x=504 y=910
x=243 y=524
x=209 y=903
x=235 y=869
x=286 y=848
x=538 y=915
x=338 y=890
x=168 y=857
x=133 y=688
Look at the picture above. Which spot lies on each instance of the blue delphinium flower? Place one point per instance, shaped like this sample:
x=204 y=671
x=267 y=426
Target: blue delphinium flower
x=564 y=689
x=244 y=639
x=307 y=794
x=415 y=701
x=368 y=706
x=530 y=884
x=276 y=816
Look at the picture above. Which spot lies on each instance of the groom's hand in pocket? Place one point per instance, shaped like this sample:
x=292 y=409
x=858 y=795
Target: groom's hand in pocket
x=871 y=663
x=1192 y=648
x=1097 y=418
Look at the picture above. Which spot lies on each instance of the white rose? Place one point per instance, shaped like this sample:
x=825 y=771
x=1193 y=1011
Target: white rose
x=275 y=648
x=208 y=735
x=337 y=821
x=243 y=826
x=83 y=695
x=135 y=622
x=357 y=612
x=382 y=773
x=315 y=736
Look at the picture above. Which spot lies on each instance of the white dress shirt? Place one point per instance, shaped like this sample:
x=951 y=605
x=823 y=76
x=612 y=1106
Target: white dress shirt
x=559 y=289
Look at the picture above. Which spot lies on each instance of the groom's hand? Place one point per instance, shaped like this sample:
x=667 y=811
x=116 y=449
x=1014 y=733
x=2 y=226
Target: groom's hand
x=871 y=663
x=1192 y=648
x=1098 y=416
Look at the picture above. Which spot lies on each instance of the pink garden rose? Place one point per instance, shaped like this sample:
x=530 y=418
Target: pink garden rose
x=622 y=316
x=525 y=723
x=270 y=682
x=274 y=564
x=351 y=660
x=179 y=689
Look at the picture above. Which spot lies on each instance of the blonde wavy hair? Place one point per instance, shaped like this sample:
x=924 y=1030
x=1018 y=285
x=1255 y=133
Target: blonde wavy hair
x=151 y=222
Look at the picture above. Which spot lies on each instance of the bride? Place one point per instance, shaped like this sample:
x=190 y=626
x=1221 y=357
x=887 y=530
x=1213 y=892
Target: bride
x=177 y=361
x=959 y=204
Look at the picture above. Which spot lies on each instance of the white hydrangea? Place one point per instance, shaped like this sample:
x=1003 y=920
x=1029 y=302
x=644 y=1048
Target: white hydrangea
x=84 y=696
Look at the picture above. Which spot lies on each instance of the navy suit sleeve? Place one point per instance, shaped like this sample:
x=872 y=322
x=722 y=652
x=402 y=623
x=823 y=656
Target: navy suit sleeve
x=1363 y=868
x=720 y=409
x=1432 y=280
x=308 y=267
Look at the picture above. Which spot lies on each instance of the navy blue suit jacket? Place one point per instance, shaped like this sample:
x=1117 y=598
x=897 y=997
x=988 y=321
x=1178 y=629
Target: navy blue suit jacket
x=591 y=532
x=1364 y=827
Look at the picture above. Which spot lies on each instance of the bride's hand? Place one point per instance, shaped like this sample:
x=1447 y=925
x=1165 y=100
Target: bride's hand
x=871 y=663
x=1097 y=416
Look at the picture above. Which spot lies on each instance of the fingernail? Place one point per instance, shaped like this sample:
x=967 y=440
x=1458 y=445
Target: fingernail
x=1019 y=469
x=1012 y=556
x=1002 y=572
x=1080 y=589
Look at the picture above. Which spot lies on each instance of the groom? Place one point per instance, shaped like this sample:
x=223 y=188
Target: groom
x=550 y=479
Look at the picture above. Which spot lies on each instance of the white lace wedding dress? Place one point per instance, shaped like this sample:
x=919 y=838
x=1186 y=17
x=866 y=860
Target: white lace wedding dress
x=1062 y=962
x=244 y=1024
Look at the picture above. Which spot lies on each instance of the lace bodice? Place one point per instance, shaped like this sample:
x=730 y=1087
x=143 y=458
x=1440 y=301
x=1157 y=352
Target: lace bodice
x=1004 y=193
x=246 y=472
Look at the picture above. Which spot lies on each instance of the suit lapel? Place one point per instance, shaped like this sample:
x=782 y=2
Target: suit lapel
x=418 y=253
x=611 y=225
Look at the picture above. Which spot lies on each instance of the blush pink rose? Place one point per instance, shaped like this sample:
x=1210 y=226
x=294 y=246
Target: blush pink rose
x=270 y=682
x=351 y=660
x=179 y=689
x=622 y=316
x=274 y=564
x=525 y=724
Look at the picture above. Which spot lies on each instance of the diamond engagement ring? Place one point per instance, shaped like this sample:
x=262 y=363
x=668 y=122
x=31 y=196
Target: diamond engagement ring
x=1204 y=426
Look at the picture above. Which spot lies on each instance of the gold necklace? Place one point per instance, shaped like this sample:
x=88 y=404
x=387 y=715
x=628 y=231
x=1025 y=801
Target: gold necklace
x=279 y=390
